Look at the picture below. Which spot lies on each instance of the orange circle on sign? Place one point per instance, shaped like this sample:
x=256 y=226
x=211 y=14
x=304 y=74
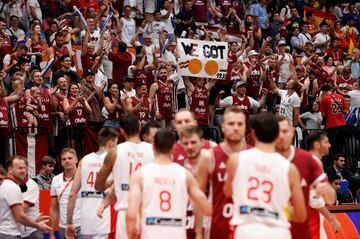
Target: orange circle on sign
x=195 y=66
x=211 y=67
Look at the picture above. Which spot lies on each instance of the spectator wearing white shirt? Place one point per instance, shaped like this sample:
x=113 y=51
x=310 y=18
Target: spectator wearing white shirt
x=60 y=191
x=155 y=27
x=305 y=35
x=33 y=10
x=11 y=201
x=313 y=118
x=284 y=60
x=322 y=39
x=355 y=96
x=167 y=16
x=127 y=26
x=290 y=100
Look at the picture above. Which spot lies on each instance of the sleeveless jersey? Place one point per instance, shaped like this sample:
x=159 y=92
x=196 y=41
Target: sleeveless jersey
x=4 y=113
x=164 y=96
x=44 y=118
x=344 y=84
x=6 y=47
x=178 y=152
x=18 y=116
x=200 y=105
x=231 y=60
x=77 y=115
x=164 y=201
x=244 y=105
x=59 y=97
x=200 y=7
x=143 y=111
x=222 y=205
x=253 y=82
x=261 y=189
x=90 y=198
x=36 y=46
x=130 y=157
x=127 y=30
x=140 y=76
x=118 y=113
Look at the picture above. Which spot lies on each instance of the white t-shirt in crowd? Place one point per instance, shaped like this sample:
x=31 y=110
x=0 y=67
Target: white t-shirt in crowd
x=10 y=195
x=168 y=25
x=321 y=38
x=228 y=101
x=284 y=72
x=36 y=5
x=31 y=197
x=128 y=30
x=155 y=28
x=94 y=38
x=150 y=6
x=60 y=188
x=288 y=103
x=355 y=98
x=313 y=120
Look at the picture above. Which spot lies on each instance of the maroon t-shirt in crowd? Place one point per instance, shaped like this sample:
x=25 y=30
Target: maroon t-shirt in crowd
x=121 y=62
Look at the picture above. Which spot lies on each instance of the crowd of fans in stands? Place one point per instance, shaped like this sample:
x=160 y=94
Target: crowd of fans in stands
x=280 y=59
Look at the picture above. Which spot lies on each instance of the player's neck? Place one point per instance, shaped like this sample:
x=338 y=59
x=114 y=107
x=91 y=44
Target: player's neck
x=133 y=139
x=233 y=147
x=163 y=158
x=265 y=147
x=69 y=173
x=103 y=149
x=317 y=154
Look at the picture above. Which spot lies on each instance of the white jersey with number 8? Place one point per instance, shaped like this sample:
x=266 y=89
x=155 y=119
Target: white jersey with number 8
x=261 y=189
x=164 y=201
x=90 y=198
x=130 y=157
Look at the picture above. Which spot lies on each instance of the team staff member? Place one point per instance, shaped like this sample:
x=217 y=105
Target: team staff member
x=261 y=183
x=11 y=202
x=60 y=192
x=161 y=190
x=84 y=181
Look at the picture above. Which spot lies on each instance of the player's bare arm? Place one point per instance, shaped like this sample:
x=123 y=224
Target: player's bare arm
x=232 y=164
x=204 y=170
x=100 y=183
x=197 y=196
x=70 y=229
x=135 y=192
x=107 y=200
x=297 y=196
x=54 y=214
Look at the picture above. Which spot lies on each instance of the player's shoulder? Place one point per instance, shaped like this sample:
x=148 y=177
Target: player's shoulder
x=58 y=178
x=31 y=183
x=303 y=155
x=8 y=184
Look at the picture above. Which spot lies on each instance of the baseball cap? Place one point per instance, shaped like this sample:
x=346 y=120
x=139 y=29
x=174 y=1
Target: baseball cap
x=252 y=53
x=89 y=73
x=309 y=42
x=282 y=43
x=240 y=83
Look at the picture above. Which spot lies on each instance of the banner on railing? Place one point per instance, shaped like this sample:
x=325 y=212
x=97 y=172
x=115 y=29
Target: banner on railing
x=203 y=58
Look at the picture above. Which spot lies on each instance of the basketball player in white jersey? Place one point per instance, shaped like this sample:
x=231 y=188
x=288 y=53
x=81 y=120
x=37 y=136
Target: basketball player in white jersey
x=162 y=190
x=123 y=161
x=261 y=183
x=84 y=181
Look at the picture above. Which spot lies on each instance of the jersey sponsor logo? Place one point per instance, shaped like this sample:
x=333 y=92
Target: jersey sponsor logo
x=162 y=221
x=222 y=165
x=222 y=177
x=91 y=194
x=303 y=183
x=124 y=187
x=181 y=157
x=258 y=211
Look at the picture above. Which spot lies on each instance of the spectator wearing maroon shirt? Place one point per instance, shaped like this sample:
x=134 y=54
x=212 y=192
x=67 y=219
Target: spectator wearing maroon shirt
x=5 y=42
x=121 y=61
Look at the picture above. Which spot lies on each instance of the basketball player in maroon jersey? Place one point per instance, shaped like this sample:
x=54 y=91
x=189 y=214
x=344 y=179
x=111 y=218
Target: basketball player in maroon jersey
x=199 y=97
x=312 y=176
x=192 y=141
x=213 y=170
x=161 y=93
x=185 y=118
x=141 y=106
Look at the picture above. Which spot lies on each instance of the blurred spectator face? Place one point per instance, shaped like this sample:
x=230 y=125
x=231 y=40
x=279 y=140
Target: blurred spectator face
x=294 y=12
x=324 y=28
x=14 y=21
x=114 y=89
x=335 y=43
x=36 y=22
x=162 y=75
x=336 y=184
x=37 y=29
x=337 y=25
x=188 y=5
x=340 y=162
x=305 y=28
x=16 y=76
x=166 y=4
x=62 y=83
x=351 y=8
x=200 y=82
x=290 y=85
x=127 y=12
x=90 y=79
x=234 y=47
x=90 y=49
x=18 y=169
x=37 y=78
x=53 y=27
x=241 y=90
x=59 y=40
x=147 y=40
x=330 y=61
x=74 y=90
x=315 y=107
x=157 y=16
x=272 y=63
x=2 y=27
x=276 y=17
x=91 y=11
x=141 y=90
x=320 y=61
x=91 y=22
x=48 y=169
x=172 y=46
x=346 y=72
x=249 y=21
x=347 y=101
x=183 y=119
x=67 y=62
x=296 y=31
